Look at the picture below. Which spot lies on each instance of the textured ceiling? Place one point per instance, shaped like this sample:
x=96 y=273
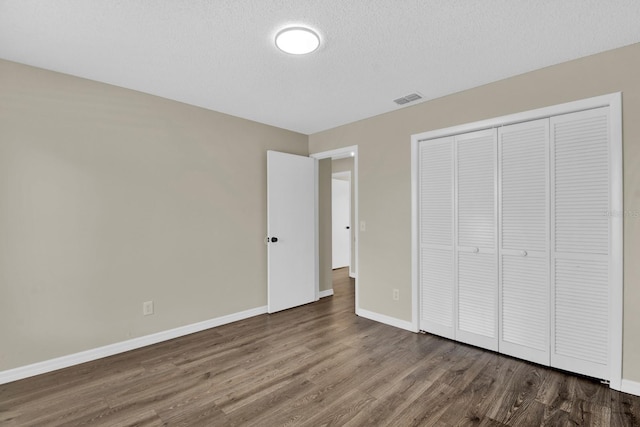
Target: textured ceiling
x=220 y=54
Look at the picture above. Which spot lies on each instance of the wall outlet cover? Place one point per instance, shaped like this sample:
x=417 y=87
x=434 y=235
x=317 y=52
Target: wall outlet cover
x=147 y=308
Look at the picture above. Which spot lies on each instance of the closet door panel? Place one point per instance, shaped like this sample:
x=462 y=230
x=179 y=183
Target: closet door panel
x=581 y=183
x=477 y=299
x=581 y=341
x=580 y=242
x=436 y=192
x=437 y=293
x=524 y=194
x=476 y=184
x=436 y=237
x=524 y=311
x=523 y=182
x=476 y=223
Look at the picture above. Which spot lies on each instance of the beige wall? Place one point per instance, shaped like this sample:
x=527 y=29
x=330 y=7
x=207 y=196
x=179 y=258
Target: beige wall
x=385 y=182
x=110 y=197
x=324 y=224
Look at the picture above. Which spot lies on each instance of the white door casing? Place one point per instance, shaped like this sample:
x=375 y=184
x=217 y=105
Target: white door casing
x=291 y=230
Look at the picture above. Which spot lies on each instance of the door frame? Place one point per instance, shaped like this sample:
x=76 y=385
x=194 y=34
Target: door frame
x=342 y=153
x=616 y=213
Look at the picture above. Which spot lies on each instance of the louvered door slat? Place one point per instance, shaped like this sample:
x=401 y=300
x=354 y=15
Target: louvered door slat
x=580 y=242
x=581 y=311
x=524 y=218
x=436 y=296
x=476 y=175
x=436 y=188
x=581 y=174
x=436 y=192
x=476 y=227
x=525 y=308
x=477 y=296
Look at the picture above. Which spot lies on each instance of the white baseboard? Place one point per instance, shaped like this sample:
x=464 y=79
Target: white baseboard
x=327 y=293
x=631 y=387
x=120 y=347
x=388 y=320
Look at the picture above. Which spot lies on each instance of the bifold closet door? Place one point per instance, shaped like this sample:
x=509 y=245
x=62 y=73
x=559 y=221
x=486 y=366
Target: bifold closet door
x=436 y=237
x=523 y=153
x=476 y=239
x=580 y=242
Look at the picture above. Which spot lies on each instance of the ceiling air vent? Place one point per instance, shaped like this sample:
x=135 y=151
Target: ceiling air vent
x=407 y=99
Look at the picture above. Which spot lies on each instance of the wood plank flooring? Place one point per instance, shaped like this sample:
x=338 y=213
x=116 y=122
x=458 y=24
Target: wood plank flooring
x=315 y=365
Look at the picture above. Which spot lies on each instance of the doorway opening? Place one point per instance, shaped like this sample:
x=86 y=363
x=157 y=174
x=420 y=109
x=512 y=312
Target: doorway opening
x=344 y=163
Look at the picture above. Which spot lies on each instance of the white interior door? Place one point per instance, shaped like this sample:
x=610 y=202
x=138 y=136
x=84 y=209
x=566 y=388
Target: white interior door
x=292 y=230
x=437 y=287
x=580 y=242
x=523 y=153
x=340 y=223
x=476 y=238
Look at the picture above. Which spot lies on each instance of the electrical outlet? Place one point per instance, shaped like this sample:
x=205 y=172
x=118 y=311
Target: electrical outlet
x=396 y=294
x=147 y=308
x=363 y=226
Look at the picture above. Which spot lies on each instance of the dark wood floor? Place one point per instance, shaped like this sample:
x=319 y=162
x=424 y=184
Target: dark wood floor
x=314 y=365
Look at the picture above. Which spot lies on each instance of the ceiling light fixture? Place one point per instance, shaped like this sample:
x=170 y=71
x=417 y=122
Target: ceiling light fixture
x=297 y=40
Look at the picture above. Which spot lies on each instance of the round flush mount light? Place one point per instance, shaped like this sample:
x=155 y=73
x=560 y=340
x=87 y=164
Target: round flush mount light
x=297 y=40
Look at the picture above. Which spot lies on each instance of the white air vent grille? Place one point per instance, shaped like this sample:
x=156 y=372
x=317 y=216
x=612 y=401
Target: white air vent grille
x=407 y=99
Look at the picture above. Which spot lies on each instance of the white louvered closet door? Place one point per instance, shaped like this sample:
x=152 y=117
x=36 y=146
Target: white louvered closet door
x=476 y=239
x=436 y=237
x=523 y=152
x=580 y=242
